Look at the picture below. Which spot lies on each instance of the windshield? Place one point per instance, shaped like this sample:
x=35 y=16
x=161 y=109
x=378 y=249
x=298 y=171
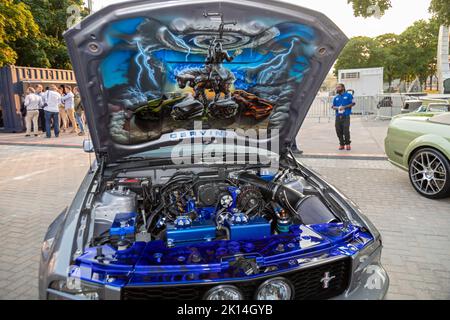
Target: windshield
x=421 y=109
x=439 y=108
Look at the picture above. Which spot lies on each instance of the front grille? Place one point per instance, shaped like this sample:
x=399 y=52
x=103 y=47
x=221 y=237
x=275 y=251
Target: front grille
x=307 y=284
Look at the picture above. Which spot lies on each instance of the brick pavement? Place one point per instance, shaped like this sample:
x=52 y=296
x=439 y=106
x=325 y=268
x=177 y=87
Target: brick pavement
x=36 y=183
x=319 y=138
x=415 y=230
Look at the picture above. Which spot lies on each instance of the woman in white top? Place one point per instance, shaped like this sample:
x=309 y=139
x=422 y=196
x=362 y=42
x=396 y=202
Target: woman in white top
x=32 y=102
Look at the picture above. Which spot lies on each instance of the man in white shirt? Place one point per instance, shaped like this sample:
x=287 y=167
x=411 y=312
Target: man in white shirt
x=32 y=102
x=52 y=100
x=68 y=99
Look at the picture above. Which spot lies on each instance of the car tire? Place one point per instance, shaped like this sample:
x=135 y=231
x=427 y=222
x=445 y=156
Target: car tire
x=429 y=173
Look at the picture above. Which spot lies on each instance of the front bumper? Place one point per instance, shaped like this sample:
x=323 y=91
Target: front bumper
x=364 y=292
x=372 y=283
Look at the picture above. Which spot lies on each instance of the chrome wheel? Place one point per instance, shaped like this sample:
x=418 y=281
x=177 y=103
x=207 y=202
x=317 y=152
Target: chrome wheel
x=428 y=173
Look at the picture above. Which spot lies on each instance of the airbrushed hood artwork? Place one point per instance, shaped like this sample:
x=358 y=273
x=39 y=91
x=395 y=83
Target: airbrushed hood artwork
x=225 y=64
x=203 y=68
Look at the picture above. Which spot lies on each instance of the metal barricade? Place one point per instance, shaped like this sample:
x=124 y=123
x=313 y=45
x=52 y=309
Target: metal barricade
x=379 y=107
x=365 y=106
x=390 y=105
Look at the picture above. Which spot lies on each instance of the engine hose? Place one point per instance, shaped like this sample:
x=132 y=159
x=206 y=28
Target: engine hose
x=153 y=215
x=307 y=209
x=274 y=191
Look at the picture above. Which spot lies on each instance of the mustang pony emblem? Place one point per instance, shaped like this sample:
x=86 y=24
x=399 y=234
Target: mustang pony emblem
x=326 y=280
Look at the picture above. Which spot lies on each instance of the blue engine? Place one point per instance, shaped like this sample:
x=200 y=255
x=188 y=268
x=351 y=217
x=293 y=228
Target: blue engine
x=201 y=222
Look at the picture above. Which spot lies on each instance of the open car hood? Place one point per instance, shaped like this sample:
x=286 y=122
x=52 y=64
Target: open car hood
x=152 y=73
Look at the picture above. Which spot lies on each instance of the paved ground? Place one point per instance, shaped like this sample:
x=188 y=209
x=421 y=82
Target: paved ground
x=319 y=138
x=415 y=230
x=36 y=183
x=64 y=140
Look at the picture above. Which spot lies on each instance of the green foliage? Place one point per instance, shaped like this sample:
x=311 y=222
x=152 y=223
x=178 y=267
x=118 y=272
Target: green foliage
x=369 y=8
x=360 y=52
x=52 y=16
x=16 y=22
x=418 y=45
x=441 y=11
x=407 y=56
x=47 y=47
x=389 y=45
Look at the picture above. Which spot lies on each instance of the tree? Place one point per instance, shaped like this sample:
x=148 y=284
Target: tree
x=47 y=48
x=407 y=56
x=418 y=46
x=394 y=67
x=360 y=52
x=16 y=22
x=367 y=8
x=441 y=11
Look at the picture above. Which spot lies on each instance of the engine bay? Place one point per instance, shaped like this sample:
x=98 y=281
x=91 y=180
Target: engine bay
x=167 y=227
x=192 y=208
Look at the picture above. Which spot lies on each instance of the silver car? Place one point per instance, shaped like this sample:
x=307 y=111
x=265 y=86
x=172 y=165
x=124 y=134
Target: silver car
x=213 y=208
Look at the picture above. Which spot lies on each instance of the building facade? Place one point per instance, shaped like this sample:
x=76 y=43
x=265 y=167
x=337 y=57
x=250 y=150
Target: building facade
x=14 y=81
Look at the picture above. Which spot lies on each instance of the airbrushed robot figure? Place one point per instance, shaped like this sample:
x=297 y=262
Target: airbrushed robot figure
x=214 y=76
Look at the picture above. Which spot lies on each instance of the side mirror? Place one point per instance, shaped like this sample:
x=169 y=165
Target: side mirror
x=88 y=146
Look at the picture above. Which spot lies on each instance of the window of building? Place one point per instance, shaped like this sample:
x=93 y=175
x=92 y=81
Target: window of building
x=351 y=75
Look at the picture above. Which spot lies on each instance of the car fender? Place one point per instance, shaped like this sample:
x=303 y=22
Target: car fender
x=58 y=246
x=48 y=246
x=427 y=141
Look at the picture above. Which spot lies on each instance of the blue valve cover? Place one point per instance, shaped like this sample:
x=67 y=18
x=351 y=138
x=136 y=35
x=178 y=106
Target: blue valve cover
x=199 y=231
x=258 y=228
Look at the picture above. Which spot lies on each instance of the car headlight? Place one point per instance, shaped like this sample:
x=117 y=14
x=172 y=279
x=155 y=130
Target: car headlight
x=77 y=289
x=275 y=289
x=224 y=293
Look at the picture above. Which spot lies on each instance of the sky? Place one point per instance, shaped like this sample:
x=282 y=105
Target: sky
x=402 y=14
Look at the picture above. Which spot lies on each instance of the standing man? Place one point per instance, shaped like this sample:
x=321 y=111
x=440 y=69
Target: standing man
x=63 y=117
x=79 y=110
x=68 y=100
x=52 y=103
x=40 y=92
x=32 y=102
x=343 y=104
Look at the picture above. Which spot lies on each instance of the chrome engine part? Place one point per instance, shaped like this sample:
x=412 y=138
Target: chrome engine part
x=113 y=202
